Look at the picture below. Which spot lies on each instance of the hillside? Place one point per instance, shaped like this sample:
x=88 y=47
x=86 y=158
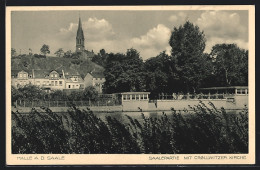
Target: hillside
x=53 y=63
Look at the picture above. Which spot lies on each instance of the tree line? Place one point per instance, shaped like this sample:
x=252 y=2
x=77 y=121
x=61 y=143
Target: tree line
x=186 y=69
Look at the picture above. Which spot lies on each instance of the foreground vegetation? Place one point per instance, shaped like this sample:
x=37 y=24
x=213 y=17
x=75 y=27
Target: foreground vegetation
x=206 y=130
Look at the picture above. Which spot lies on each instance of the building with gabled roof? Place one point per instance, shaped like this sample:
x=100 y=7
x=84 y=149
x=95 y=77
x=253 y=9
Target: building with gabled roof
x=95 y=79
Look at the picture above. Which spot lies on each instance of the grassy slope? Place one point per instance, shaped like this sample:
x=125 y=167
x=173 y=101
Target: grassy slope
x=28 y=63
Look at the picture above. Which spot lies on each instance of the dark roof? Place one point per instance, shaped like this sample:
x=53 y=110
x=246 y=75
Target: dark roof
x=15 y=72
x=71 y=72
x=221 y=88
x=41 y=73
x=97 y=75
x=135 y=93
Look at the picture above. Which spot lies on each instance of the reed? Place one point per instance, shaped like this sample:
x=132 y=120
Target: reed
x=203 y=130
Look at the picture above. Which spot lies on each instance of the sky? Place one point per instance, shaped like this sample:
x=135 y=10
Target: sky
x=117 y=31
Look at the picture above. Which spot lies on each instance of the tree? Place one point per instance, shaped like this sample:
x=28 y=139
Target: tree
x=161 y=74
x=13 y=52
x=100 y=58
x=59 y=52
x=29 y=92
x=68 y=54
x=58 y=95
x=188 y=44
x=124 y=72
x=230 y=64
x=90 y=93
x=30 y=51
x=45 y=49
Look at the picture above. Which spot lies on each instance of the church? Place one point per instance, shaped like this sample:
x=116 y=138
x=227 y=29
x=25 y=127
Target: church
x=80 y=44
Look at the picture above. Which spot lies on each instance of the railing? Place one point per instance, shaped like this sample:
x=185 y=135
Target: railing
x=191 y=96
x=58 y=103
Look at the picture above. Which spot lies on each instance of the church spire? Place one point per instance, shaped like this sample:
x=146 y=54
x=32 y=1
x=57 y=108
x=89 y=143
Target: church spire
x=80 y=38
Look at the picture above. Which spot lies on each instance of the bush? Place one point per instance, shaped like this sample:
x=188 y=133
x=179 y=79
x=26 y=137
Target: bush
x=76 y=61
x=205 y=130
x=39 y=56
x=28 y=92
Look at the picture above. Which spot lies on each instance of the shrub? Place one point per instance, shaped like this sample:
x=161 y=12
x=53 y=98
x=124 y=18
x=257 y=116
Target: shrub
x=39 y=56
x=76 y=61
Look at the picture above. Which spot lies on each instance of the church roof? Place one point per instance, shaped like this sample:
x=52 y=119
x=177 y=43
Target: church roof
x=80 y=33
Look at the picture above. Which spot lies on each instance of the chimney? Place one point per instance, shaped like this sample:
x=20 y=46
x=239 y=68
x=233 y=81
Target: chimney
x=63 y=74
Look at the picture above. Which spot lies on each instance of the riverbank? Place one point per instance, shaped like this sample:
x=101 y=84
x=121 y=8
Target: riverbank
x=158 y=106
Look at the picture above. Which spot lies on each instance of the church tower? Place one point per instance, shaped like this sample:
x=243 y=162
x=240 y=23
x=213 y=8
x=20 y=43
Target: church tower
x=80 y=38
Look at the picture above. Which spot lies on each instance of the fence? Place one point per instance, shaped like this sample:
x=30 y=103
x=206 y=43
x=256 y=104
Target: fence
x=89 y=103
x=190 y=96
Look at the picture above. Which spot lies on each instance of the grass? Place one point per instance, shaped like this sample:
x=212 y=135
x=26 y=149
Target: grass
x=205 y=130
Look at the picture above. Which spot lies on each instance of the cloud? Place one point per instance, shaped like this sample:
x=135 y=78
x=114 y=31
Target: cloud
x=222 y=27
x=94 y=29
x=99 y=34
x=153 y=42
x=96 y=33
x=215 y=40
x=179 y=18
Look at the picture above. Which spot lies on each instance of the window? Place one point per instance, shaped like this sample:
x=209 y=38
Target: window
x=55 y=75
x=142 y=96
x=60 y=83
x=243 y=91
x=21 y=75
x=73 y=86
x=56 y=83
x=145 y=96
x=124 y=97
x=24 y=74
x=51 y=75
x=133 y=97
x=128 y=97
x=69 y=86
x=137 y=97
x=52 y=83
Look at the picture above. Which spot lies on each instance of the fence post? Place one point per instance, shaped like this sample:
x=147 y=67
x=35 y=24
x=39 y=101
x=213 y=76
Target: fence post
x=16 y=103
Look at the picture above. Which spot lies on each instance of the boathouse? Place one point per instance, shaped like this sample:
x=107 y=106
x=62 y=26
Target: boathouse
x=135 y=101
